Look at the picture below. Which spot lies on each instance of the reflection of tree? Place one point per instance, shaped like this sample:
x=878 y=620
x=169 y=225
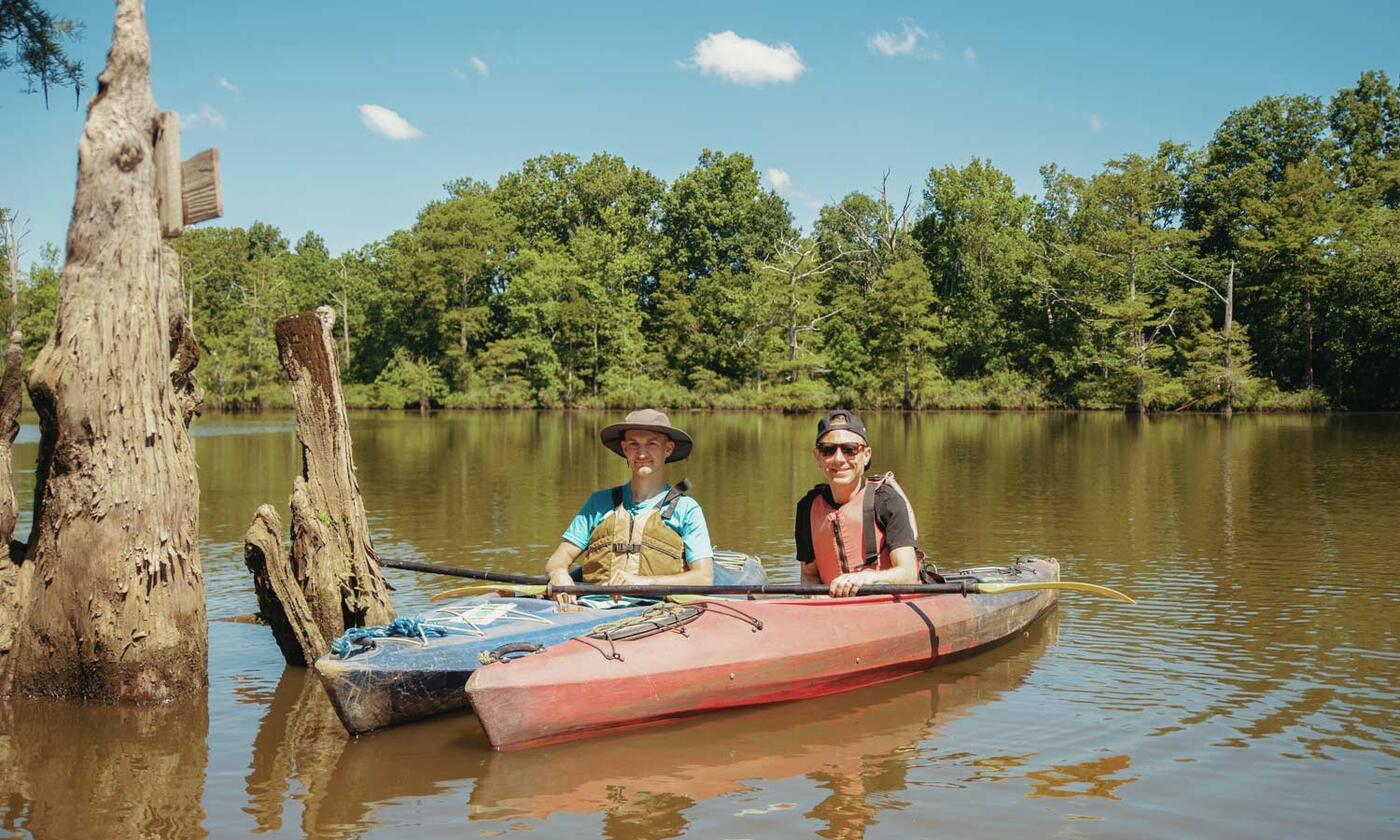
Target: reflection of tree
x=860 y=794
x=86 y=770
x=658 y=816
x=301 y=752
x=299 y=739
x=1087 y=778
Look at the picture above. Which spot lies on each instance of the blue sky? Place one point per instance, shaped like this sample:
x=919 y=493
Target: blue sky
x=805 y=88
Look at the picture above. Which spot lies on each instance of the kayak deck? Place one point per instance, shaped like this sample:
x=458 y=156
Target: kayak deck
x=740 y=653
x=388 y=681
x=385 y=681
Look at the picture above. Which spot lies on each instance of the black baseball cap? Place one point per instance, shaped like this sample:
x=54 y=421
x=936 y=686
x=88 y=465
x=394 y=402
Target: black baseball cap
x=841 y=420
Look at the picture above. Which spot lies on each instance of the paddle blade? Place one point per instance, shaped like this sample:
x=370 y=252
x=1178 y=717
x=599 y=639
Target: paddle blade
x=688 y=599
x=489 y=589
x=1070 y=585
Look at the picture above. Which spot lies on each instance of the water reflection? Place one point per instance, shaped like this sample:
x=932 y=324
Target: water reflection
x=857 y=748
x=1257 y=675
x=76 y=770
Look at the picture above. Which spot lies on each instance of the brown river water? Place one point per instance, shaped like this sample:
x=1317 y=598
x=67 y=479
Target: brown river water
x=1252 y=692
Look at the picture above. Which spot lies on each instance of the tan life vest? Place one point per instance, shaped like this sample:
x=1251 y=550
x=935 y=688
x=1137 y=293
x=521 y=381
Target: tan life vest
x=847 y=538
x=642 y=545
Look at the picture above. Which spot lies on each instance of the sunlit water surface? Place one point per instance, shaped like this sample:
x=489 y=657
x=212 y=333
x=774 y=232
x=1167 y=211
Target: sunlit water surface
x=1251 y=692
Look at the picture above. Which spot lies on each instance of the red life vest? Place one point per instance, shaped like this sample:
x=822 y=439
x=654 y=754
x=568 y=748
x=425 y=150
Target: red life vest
x=847 y=538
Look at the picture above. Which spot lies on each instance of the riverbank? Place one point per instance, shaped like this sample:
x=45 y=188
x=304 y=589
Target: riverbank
x=995 y=393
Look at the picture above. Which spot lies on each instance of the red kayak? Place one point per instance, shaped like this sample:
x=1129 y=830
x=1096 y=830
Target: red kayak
x=721 y=654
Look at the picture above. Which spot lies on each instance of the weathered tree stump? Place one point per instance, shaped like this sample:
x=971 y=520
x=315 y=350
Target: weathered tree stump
x=280 y=601
x=110 y=596
x=332 y=560
x=10 y=402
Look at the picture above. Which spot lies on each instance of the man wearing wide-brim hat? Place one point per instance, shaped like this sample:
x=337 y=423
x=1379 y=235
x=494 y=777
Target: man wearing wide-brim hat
x=644 y=532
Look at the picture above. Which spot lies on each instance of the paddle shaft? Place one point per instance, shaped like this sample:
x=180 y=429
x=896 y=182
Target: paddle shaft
x=965 y=588
x=496 y=577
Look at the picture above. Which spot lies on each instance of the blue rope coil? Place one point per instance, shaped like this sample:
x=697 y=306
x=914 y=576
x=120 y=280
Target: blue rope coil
x=411 y=627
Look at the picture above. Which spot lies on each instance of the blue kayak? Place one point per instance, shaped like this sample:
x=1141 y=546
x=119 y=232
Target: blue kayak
x=418 y=667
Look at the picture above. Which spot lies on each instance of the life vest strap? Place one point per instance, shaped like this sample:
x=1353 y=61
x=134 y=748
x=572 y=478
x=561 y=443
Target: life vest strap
x=673 y=498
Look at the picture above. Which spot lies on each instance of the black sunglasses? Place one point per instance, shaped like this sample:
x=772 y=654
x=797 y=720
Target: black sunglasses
x=850 y=450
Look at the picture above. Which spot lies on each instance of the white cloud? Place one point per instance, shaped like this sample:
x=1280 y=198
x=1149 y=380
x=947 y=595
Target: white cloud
x=388 y=123
x=745 y=61
x=480 y=65
x=207 y=115
x=227 y=85
x=905 y=43
x=779 y=180
x=1096 y=122
x=970 y=55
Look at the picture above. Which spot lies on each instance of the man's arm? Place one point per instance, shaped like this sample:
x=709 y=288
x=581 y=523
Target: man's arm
x=904 y=568
x=557 y=568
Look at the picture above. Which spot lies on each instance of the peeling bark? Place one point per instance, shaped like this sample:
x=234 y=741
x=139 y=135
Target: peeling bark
x=280 y=601
x=332 y=555
x=10 y=402
x=112 y=592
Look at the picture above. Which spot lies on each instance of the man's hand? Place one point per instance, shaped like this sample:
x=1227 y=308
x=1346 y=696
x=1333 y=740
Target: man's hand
x=850 y=583
x=621 y=578
x=560 y=577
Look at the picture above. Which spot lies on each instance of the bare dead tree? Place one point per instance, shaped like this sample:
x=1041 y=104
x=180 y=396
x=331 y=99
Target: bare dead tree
x=108 y=602
x=1228 y=299
x=798 y=262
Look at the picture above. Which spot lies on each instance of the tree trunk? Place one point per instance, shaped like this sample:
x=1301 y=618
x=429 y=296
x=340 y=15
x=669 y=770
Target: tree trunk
x=10 y=404
x=1308 y=321
x=280 y=602
x=1229 y=348
x=1139 y=405
x=332 y=556
x=112 y=593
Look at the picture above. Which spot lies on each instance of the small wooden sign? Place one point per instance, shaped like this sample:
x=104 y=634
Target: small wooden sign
x=203 y=197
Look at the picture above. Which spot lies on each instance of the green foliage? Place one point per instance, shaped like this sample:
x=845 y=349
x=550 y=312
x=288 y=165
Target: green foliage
x=409 y=381
x=573 y=282
x=31 y=39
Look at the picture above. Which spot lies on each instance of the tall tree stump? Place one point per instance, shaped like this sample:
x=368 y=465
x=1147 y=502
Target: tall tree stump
x=10 y=404
x=332 y=558
x=111 y=594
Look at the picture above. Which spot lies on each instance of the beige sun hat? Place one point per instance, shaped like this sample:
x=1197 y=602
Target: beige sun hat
x=650 y=420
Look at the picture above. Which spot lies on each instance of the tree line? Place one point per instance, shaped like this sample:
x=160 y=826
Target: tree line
x=1261 y=271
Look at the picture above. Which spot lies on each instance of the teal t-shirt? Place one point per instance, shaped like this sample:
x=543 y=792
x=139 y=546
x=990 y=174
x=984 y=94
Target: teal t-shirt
x=687 y=519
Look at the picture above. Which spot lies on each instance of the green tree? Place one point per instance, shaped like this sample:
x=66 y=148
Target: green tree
x=976 y=241
x=32 y=39
x=1365 y=122
x=718 y=217
x=410 y=380
x=907 y=325
x=1124 y=231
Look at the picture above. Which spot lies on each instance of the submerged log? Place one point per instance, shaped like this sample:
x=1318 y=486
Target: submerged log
x=111 y=592
x=280 y=602
x=330 y=580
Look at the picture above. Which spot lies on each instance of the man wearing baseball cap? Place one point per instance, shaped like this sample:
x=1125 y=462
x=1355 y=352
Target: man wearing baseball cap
x=646 y=531
x=854 y=530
